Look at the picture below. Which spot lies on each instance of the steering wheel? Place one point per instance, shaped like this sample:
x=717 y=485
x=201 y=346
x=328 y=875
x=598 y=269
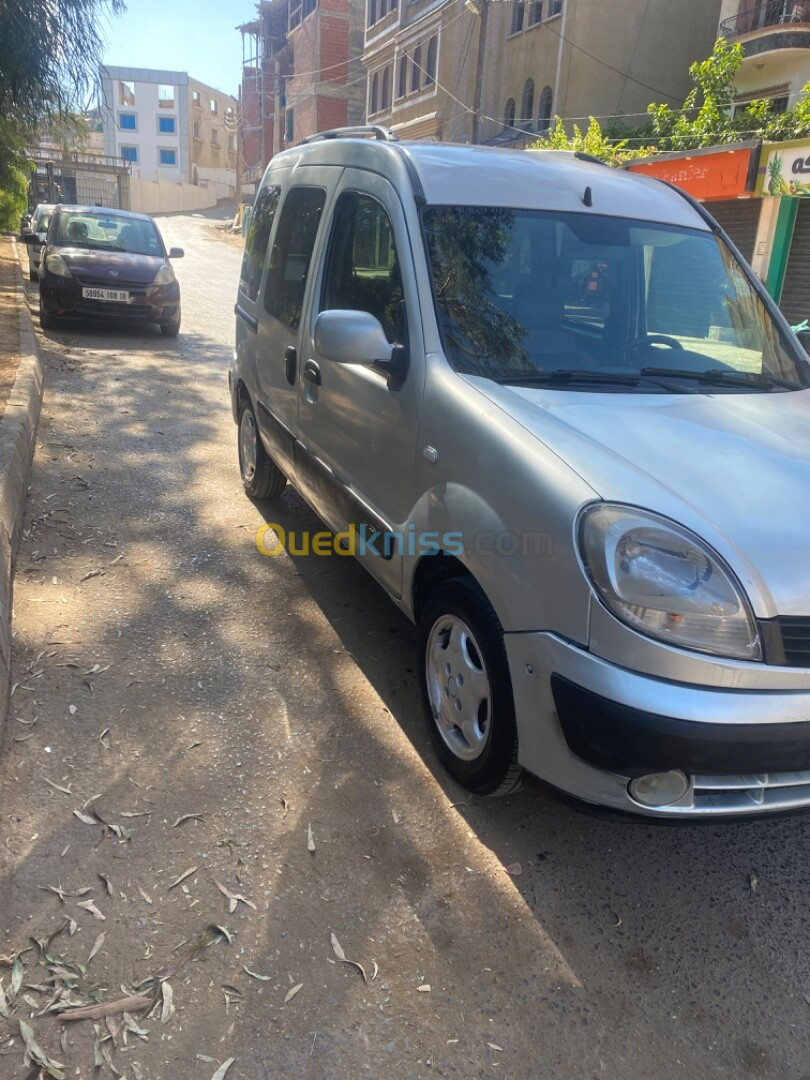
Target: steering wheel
x=650 y=339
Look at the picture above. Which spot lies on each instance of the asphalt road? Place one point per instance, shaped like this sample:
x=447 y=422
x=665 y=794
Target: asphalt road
x=165 y=668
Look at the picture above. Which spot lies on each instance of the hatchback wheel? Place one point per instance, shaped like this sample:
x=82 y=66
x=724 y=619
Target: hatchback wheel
x=261 y=477
x=466 y=689
x=46 y=321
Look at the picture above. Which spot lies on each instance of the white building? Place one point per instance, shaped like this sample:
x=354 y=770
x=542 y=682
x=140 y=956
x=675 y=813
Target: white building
x=170 y=128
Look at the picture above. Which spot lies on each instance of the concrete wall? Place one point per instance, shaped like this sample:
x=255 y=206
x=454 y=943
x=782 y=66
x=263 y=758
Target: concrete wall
x=164 y=197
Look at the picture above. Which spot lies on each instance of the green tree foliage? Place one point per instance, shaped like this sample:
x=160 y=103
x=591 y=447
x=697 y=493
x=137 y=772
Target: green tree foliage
x=592 y=141
x=50 y=51
x=705 y=118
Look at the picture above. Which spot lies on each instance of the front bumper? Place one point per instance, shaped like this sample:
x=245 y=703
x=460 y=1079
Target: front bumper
x=62 y=297
x=588 y=727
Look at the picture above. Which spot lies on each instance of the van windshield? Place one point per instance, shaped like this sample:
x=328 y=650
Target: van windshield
x=579 y=299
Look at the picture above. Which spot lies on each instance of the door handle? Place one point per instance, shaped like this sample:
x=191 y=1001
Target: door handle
x=312 y=373
x=290 y=364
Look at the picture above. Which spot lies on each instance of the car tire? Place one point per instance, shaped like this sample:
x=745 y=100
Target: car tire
x=33 y=275
x=464 y=676
x=46 y=321
x=261 y=477
x=170 y=329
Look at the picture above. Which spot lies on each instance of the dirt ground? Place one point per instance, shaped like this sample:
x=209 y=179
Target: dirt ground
x=9 y=325
x=215 y=784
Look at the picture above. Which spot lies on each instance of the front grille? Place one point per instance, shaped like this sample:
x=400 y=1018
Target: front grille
x=113 y=283
x=747 y=794
x=101 y=307
x=796 y=639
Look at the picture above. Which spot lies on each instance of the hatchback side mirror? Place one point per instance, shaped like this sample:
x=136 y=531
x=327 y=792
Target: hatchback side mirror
x=176 y=253
x=31 y=238
x=804 y=340
x=356 y=337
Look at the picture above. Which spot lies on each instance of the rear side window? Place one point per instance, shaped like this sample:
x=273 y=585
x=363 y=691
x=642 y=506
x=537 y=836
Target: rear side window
x=291 y=254
x=363 y=270
x=256 y=243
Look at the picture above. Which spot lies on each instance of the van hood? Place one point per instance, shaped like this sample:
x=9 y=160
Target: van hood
x=732 y=467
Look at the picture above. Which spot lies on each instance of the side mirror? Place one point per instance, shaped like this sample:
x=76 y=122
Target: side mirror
x=804 y=340
x=356 y=337
x=31 y=238
x=176 y=253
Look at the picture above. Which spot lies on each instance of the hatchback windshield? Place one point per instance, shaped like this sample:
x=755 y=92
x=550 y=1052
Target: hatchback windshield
x=580 y=299
x=103 y=231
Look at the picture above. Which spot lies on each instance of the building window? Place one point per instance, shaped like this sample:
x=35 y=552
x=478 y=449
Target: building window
x=430 y=65
x=289 y=126
x=509 y=113
x=416 y=71
x=130 y=153
x=544 y=113
x=373 y=91
x=402 y=80
x=554 y=7
x=215 y=136
x=167 y=157
x=126 y=93
x=385 y=102
x=165 y=97
x=167 y=125
x=195 y=98
x=372 y=12
x=196 y=129
x=535 y=12
x=518 y=12
x=127 y=121
x=527 y=103
x=213 y=106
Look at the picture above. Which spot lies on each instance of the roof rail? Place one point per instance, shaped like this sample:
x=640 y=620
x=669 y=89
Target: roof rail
x=381 y=134
x=580 y=155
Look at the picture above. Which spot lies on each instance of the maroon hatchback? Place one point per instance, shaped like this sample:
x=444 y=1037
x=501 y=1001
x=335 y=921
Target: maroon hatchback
x=107 y=265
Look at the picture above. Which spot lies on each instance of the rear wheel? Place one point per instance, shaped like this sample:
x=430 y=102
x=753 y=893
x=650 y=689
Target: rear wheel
x=261 y=477
x=466 y=689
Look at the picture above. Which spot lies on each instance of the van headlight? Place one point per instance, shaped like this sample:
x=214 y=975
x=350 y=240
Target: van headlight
x=663 y=581
x=164 y=276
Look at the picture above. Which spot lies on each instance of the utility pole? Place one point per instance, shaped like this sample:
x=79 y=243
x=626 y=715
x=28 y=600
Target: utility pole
x=483 y=15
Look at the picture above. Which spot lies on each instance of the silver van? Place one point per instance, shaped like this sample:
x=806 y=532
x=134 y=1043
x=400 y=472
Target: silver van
x=555 y=415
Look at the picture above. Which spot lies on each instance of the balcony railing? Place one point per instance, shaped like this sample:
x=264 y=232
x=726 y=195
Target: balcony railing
x=771 y=13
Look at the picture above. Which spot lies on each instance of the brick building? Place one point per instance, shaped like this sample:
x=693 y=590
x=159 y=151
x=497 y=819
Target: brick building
x=301 y=74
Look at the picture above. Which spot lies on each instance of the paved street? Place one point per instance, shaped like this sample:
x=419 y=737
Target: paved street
x=164 y=668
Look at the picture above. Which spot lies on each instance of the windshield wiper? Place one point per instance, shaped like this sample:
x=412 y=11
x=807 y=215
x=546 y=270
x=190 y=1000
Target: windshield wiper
x=565 y=375
x=718 y=377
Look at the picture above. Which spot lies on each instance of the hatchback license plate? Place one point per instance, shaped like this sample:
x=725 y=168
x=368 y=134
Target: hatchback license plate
x=118 y=296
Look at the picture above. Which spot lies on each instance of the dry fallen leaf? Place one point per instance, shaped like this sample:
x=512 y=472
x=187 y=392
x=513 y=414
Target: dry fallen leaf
x=85 y=818
x=292 y=992
x=58 y=787
x=107 y=883
x=167 y=1011
x=38 y=1055
x=337 y=948
x=494 y=1046
x=310 y=837
x=88 y=905
x=187 y=817
x=144 y=894
x=183 y=876
x=220 y=1073
x=424 y=988
x=233 y=898
x=256 y=975
x=514 y=869
x=97 y=944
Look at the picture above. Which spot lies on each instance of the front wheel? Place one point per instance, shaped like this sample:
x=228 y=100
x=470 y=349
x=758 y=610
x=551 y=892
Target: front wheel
x=261 y=477
x=466 y=689
x=170 y=329
x=46 y=321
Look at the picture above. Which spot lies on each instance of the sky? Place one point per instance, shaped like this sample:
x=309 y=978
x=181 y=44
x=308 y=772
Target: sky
x=196 y=36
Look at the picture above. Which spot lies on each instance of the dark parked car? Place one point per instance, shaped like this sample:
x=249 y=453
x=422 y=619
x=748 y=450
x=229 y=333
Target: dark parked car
x=107 y=265
x=38 y=227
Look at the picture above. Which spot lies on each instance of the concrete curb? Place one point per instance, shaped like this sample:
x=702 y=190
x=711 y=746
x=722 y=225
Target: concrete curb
x=18 y=428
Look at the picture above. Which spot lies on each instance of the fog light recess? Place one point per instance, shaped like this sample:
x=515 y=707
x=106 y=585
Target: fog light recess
x=659 y=789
